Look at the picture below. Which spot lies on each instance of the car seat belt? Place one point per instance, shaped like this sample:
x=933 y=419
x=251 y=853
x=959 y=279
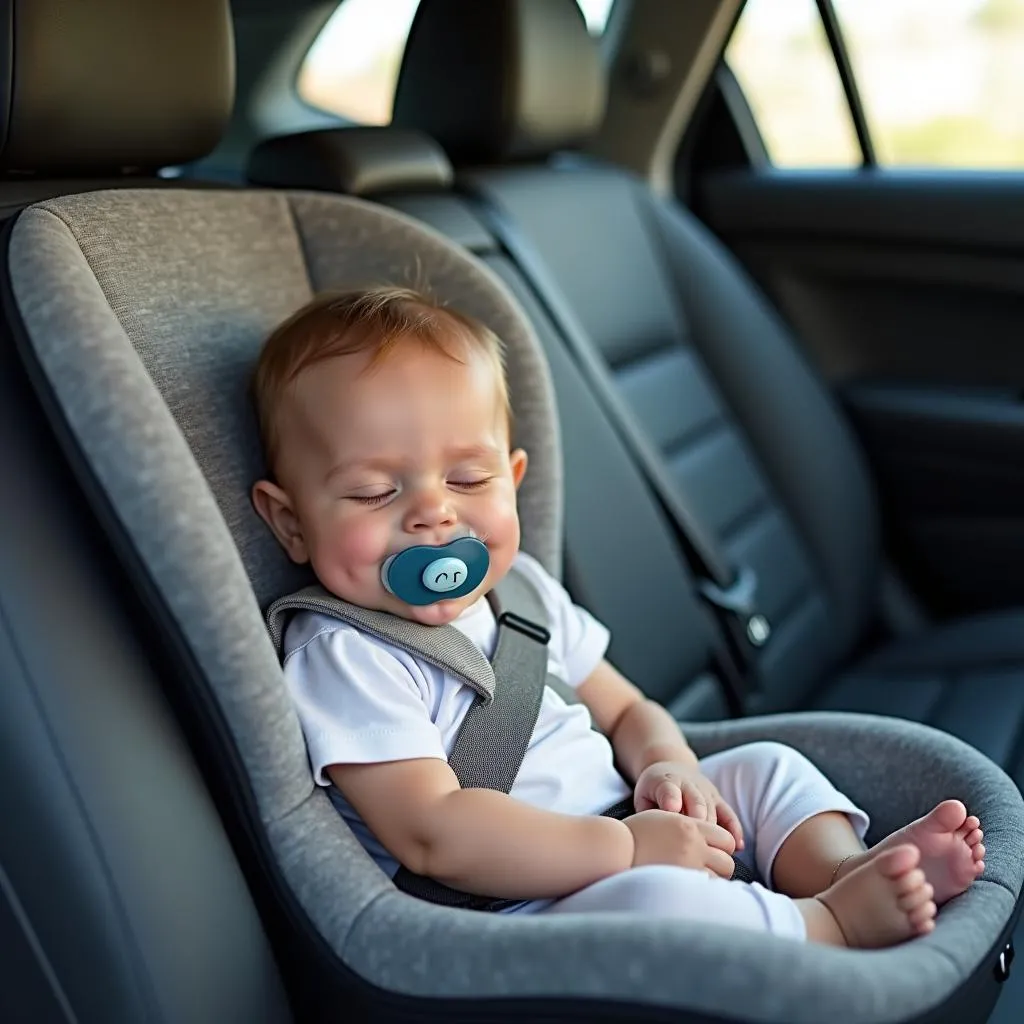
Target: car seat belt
x=730 y=592
x=491 y=742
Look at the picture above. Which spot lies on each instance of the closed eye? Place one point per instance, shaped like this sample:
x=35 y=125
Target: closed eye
x=372 y=499
x=470 y=485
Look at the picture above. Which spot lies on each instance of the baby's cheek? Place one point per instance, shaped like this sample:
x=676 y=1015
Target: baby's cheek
x=504 y=526
x=361 y=546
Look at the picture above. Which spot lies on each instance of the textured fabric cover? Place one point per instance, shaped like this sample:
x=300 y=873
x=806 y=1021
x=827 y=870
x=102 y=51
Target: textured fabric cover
x=138 y=295
x=445 y=646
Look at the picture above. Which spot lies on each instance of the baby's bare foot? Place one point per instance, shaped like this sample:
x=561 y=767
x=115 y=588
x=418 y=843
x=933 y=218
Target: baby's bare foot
x=884 y=900
x=952 y=854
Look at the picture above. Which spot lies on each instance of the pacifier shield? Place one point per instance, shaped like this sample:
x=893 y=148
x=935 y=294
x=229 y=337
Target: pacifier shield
x=424 y=573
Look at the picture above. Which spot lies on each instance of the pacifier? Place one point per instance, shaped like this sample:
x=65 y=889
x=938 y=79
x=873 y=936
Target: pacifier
x=424 y=573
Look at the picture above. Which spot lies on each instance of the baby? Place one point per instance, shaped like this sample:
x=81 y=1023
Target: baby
x=386 y=425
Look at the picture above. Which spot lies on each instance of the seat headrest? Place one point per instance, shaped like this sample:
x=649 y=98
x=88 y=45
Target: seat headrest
x=354 y=161
x=505 y=79
x=101 y=85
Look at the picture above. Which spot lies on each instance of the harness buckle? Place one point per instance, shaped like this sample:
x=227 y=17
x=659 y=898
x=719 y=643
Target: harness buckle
x=530 y=629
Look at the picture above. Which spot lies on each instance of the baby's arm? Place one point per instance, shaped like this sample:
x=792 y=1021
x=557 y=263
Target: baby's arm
x=641 y=731
x=478 y=840
x=651 y=750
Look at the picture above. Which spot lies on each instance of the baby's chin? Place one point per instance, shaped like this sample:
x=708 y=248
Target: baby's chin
x=440 y=613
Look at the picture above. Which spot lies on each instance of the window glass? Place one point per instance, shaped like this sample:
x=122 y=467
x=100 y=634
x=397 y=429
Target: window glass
x=941 y=81
x=780 y=56
x=352 y=67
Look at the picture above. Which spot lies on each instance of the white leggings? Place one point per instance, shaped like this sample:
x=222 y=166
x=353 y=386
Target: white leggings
x=773 y=789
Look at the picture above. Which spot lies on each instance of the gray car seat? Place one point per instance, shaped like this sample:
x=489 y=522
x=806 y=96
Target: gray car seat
x=708 y=369
x=137 y=315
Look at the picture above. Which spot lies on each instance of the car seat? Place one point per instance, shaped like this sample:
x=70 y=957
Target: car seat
x=138 y=314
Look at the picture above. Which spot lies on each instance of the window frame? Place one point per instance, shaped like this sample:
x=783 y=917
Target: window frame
x=747 y=126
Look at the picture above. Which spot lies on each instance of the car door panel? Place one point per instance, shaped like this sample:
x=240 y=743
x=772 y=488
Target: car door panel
x=907 y=291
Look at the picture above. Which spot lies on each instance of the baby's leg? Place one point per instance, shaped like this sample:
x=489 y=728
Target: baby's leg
x=806 y=834
x=663 y=891
x=879 y=904
x=798 y=827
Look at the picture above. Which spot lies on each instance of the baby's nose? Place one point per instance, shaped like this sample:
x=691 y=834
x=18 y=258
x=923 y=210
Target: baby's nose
x=430 y=511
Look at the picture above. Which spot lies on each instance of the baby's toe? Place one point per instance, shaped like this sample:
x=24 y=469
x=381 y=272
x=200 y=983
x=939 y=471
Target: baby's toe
x=927 y=922
x=923 y=917
x=916 y=898
x=910 y=882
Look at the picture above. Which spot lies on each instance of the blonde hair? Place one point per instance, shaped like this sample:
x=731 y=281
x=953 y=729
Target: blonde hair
x=372 y=320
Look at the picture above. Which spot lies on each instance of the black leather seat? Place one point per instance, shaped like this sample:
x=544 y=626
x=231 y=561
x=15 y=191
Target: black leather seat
x=711 y=374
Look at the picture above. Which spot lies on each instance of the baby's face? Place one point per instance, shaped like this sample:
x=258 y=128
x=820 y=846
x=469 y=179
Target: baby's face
x=414 y=450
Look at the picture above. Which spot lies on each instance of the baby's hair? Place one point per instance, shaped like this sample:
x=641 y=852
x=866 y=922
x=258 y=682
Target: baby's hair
x=371 y=320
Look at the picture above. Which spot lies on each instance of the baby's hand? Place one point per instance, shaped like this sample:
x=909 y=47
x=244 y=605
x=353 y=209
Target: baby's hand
x=670 y=786
x=663 y=837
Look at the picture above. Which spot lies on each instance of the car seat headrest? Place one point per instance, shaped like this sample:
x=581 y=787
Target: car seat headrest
x=506 y=79
x=107 y=85
x=355 y=161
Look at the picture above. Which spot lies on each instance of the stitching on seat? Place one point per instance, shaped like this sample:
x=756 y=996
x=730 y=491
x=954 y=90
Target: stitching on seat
x=352 y=928
x=300 y=238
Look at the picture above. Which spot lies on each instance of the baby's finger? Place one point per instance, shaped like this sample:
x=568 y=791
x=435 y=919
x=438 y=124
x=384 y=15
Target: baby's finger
x=710 y=799
x=669 y=796
x=729 y=820
x=694 y=804
x=642 y=802
x=716 y=836
x=719 y=863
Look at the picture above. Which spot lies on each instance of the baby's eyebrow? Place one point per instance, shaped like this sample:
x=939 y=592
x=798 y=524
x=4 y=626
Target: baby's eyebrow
x=473 y=450
x=385 y=465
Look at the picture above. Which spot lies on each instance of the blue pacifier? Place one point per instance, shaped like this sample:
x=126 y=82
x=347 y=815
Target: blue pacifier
x=424 y=574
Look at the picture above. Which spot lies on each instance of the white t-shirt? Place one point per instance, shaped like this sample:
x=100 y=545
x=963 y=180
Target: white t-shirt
x=361 y=700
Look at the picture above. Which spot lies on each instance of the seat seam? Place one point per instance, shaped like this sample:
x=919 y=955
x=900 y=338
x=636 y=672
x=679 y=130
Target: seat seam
x=360 y=914
x=694 y=436
x=300 y=238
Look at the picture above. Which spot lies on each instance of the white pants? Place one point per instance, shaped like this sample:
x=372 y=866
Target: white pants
x=773 y=789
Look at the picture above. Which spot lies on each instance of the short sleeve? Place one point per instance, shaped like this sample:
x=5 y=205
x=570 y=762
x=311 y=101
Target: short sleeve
x=578 y=640
x=358 y=703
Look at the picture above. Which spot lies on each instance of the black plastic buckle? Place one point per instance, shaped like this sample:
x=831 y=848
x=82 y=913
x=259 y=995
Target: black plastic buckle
x=739 y=598
x=531 y=629
x=1002 y=968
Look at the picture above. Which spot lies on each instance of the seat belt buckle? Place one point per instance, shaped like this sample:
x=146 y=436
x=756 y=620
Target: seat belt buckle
x=740 y=599
x=531 y=629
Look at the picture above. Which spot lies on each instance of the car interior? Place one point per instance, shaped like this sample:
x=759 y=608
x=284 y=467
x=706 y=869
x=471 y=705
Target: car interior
x=775 y=427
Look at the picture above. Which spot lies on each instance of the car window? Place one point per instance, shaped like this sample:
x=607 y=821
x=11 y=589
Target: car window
x=782 y=60
x=939 y=81
x=352 y=67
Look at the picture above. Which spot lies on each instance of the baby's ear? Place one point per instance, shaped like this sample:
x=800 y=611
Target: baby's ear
x=275 y=509
x=517 y=460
